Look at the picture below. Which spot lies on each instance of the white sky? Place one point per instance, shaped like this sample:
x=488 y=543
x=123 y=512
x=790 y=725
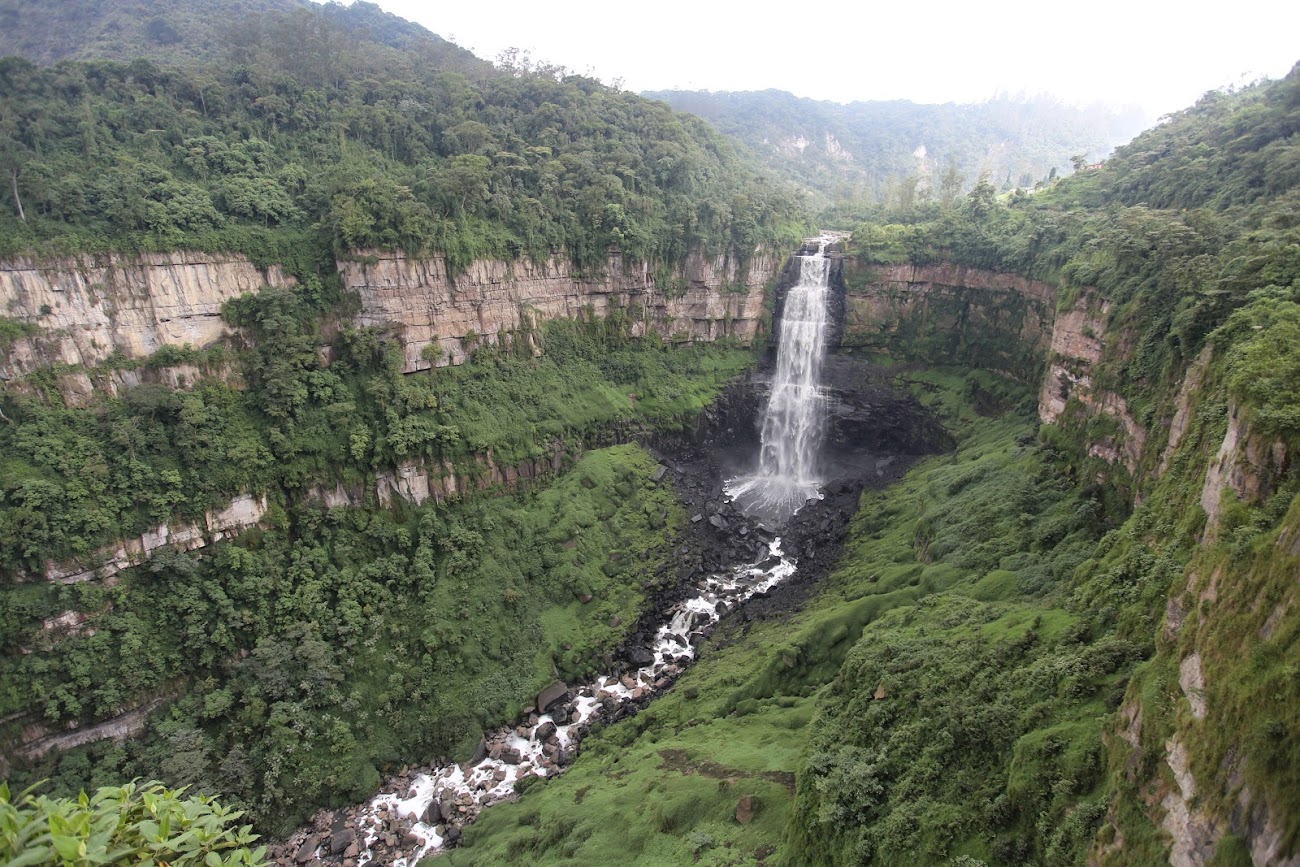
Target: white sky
x=1161 y=55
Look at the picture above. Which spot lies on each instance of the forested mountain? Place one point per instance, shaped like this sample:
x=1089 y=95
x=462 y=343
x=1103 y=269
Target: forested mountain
x=364 y=149
x=904 y=151
x=249 y=547
x=198 y=31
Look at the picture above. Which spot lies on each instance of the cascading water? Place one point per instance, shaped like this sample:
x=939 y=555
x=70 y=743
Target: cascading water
x=796 y=410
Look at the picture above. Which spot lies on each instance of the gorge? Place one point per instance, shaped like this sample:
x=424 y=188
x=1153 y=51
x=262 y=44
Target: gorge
x=386 y=435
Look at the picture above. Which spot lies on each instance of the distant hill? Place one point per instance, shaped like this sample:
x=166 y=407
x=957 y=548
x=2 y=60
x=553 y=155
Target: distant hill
x=869 y=149
x=176 y=31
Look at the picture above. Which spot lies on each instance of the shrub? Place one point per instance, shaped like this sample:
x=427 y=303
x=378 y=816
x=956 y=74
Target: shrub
x=134 y=824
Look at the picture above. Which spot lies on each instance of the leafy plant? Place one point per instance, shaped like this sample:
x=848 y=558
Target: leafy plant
x=135 y=824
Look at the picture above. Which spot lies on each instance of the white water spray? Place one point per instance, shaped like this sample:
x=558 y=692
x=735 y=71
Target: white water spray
x=796 y=410
x=464 y=790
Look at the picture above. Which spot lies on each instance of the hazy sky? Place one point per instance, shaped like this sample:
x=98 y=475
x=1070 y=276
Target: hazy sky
x=1160 y=55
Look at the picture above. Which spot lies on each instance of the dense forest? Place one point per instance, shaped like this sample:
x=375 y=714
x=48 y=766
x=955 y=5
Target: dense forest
x=992 y=673
x=203 y=32
x=903 y=153
x=307 y=141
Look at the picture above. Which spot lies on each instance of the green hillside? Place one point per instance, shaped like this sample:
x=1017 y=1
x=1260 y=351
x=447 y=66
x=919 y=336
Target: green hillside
x=215 y=31
x=905 y=153
x=291 y=145
x=1073 y=639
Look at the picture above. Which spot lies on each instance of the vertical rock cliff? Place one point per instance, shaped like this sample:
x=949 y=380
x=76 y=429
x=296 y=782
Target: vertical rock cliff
x=82 y=310
x=438 y=315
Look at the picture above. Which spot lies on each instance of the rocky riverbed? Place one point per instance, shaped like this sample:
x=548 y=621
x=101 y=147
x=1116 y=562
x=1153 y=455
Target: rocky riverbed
x=422 y=810
x=728 y=564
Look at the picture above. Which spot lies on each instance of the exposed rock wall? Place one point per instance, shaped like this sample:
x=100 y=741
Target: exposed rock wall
x=241 y=513
x=1078 y=343
x=950 y=314
x=437 y=315
x=1246 y=464
x=417 y=481
x=37 y=740
x=89 y=307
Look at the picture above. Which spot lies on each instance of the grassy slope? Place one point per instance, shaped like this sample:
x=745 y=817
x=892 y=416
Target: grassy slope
x=663 y=787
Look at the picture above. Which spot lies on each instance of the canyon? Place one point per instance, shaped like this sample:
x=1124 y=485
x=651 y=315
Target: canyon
x=917 y=315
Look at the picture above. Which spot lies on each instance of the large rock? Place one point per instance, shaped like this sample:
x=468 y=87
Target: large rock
x=480 y=752
x=551 y=695
x=746 y=809
x=640 y=656
x=341 y=841
x=307 y=851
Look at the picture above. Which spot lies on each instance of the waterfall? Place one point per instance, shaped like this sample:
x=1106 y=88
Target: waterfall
x=794 y=420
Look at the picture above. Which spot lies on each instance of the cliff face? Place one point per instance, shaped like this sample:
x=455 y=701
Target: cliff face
x=950 y=314
x=239 y=514
x=1199 y=737
x=1077 y=347
x=87 y=308
x=438 y=316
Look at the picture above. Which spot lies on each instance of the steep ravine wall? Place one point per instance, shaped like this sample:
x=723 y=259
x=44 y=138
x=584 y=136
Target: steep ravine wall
x=437 y=315
x=925 y=314
x=89 y=307
x=86 y=309
x=1230 y=611
x=949 y=314
x=952 y=314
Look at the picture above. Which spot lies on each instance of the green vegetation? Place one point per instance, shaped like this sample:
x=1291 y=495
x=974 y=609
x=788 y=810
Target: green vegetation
x=76 y=480
x=989 y=677
x=290 y=150
x=282 y=660
x=279 y=656
x=288 y=652
x=1174 y=253
x=913 y=608
x=997 y=670
x=136 y=824
x=901 y=154
x=211 y=31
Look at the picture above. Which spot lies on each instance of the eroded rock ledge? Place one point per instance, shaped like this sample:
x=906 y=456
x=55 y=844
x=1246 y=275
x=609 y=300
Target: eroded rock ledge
x=438 y=316
x=89 y=307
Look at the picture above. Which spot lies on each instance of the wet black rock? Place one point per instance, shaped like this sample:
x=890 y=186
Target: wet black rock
x=552 y=694
x=640 y=656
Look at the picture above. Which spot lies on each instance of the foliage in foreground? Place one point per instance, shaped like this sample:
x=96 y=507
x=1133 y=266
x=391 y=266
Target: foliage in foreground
x=138 y=824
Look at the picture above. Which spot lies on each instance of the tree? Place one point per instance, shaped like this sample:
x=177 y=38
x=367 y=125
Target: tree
x=980 y=200
x=950 y=186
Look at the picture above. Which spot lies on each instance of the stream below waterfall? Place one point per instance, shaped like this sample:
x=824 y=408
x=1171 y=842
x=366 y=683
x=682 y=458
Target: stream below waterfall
x=448 y=797
x=426 y=812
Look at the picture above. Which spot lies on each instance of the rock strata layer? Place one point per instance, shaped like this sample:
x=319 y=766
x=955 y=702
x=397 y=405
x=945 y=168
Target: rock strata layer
x=88 y=308
x=440 y=316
